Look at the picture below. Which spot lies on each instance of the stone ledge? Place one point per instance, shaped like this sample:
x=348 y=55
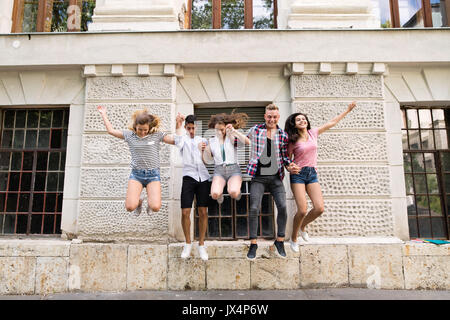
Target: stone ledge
x=34 y=248
x=381 y=262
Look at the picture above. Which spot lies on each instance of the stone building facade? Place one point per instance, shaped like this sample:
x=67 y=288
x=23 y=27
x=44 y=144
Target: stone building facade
x=138 y=56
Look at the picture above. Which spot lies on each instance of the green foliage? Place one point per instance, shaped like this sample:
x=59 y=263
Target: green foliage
x=202 y=15
x=232 y=15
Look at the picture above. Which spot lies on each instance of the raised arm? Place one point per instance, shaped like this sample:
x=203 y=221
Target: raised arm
x=236 y=134
x=334 y=121
x=170 y=138
x=109 y=128
x=179 y=124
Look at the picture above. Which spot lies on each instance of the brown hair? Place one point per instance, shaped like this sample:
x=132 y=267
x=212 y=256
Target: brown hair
x=237 y=120
x=142 y=117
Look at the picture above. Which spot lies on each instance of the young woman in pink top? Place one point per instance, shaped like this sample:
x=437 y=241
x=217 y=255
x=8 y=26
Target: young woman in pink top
x=303 y=147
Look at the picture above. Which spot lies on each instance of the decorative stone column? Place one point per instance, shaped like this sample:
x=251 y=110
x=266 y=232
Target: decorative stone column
x=6 y=9
x=331 y=14
x=355 y=171
x=138 y=15
x=105 y=161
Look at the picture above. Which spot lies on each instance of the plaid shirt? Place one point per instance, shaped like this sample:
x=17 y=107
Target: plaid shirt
x=257 y=136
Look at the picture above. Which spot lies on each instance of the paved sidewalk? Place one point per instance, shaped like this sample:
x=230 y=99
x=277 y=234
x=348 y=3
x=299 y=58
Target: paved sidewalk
x=304 y=294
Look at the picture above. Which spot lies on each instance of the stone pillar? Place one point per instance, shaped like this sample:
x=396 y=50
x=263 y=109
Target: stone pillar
x=331 y=14
x=353 y=164
x=138 y=15
x=105 y=161
x=6 y=9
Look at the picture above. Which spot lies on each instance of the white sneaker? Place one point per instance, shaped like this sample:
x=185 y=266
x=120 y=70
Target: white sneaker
x=202 y=252
x=220 y=199
x=294 y=246
x=304 y=235
x=186 y=250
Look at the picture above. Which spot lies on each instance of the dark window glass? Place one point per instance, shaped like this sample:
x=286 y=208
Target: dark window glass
x=4 y=160
x=11 y=202
x=45 y=119
x=25 y=181
x=20 y=119
x=49 y=223
x=55 y=142
x=31 y=139
x=38 y=202
x=14 y=178
x=36 y=223
x=41 y=161
x=9 y=119
x=16 y=162
x=28 y=161
x=33 y=119
x=7 y=138
x=44 y=138
x=24 y=202
x=18 y=138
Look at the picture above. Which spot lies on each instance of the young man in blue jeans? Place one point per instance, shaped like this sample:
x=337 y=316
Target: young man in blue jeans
x=268 y=158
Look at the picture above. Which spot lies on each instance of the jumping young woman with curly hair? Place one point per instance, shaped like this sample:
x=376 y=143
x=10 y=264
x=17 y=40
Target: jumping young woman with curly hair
x=143 y=138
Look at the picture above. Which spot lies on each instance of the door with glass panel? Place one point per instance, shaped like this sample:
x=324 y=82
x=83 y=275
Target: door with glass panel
x=426 y=159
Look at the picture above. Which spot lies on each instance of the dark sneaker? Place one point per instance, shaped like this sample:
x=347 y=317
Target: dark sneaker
x=279 y=245
x=251 y=255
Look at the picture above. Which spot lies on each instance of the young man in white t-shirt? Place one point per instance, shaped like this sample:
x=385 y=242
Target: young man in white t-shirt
x=195 y=182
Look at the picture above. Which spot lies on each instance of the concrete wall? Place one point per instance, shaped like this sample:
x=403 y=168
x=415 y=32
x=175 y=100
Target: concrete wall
x=6 y=9
x=106 y=159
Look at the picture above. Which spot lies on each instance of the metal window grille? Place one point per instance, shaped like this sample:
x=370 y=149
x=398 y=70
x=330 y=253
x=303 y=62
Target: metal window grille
x=32 y=163
x=426 y=161
x=229 y=220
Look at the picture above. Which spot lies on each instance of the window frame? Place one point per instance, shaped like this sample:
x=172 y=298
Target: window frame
x=44 y=14
x=248 y=14
x=426 y=10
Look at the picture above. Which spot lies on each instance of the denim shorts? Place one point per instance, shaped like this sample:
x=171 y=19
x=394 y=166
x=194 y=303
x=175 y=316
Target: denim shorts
x=227 y=171
x=306 y=176
x=145 y=176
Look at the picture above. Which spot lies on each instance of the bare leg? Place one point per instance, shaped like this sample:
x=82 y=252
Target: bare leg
x=133 y=192
x=202 y=223
x=154 y=195
x=234 y=186
x=186 y=223
x=217 y=185
x=299 y=191
x=315 y=194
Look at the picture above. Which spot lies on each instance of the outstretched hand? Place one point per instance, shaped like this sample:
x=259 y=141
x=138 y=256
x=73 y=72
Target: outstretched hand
x=101 y=109
x=351 y=106
x=179 y=119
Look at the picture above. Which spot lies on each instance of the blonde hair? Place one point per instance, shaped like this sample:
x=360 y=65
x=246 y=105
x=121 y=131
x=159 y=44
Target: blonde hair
x=142 y=117
x=271 y=107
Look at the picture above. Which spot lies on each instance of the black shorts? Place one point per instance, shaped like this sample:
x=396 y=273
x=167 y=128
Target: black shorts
x=192 y=187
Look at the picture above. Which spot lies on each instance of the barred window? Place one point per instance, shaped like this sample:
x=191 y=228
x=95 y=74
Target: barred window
x=229 y=220
x=426 y=157
x=32 y=163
